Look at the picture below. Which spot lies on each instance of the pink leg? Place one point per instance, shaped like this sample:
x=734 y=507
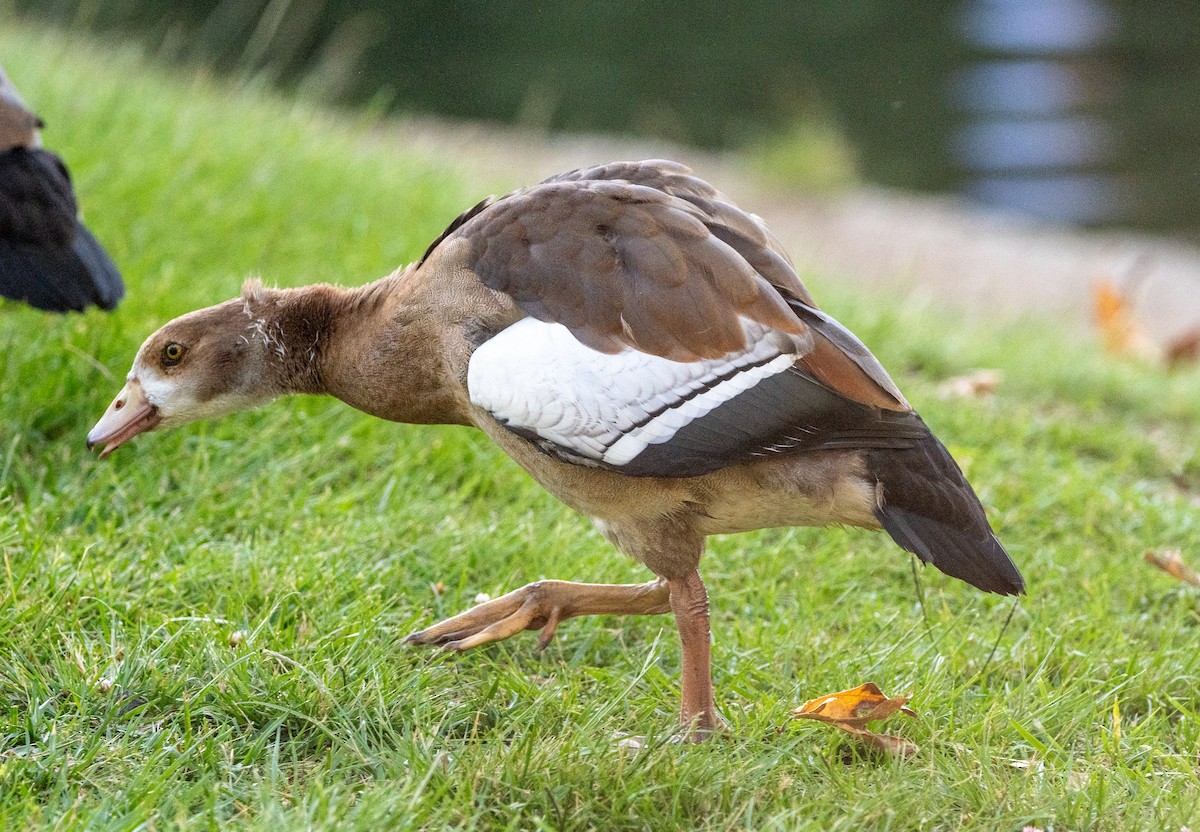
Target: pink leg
x=689 y=602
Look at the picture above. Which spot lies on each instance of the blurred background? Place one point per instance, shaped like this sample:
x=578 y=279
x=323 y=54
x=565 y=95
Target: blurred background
x=1082 y=112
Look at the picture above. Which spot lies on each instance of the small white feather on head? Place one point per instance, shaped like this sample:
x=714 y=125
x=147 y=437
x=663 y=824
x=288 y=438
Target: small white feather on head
x=254 y=297
x=253 y=294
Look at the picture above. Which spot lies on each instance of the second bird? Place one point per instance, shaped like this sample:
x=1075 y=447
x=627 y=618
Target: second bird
x=48 y=259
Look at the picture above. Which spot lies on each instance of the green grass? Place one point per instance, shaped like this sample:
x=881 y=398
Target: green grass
x=316 y=533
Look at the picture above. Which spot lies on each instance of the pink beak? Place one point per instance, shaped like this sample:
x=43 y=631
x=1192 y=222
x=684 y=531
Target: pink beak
x=129 y=414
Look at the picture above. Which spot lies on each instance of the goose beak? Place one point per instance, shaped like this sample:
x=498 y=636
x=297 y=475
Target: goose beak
x=129 y=414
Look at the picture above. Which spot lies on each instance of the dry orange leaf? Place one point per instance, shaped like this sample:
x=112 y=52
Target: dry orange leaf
x=855 y=707
x=1171 y=562
x=1113 y=312
x=851 y=710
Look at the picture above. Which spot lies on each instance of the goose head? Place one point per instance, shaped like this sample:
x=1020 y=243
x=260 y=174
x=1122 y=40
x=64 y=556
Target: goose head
x=204 y=364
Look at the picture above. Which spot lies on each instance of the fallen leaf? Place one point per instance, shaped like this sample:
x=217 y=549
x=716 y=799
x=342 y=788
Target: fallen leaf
x=889 y=744
x=977 y=384
x=1112 y=311
x=851 y=710
x=1171 y=562
x=1183 y=349
x=855 y=707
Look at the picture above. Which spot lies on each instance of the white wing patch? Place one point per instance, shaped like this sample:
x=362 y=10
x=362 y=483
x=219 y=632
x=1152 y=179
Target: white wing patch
x=536 y=377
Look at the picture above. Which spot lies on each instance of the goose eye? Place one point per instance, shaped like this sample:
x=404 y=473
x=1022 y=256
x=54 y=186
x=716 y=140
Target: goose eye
x=172 y=354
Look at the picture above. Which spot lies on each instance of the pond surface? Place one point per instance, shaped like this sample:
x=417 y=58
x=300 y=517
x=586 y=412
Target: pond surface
x=1079 y=111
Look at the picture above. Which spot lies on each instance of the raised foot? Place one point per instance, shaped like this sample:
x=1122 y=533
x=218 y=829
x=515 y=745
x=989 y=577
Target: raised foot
x=541 y=606
x=527 y=608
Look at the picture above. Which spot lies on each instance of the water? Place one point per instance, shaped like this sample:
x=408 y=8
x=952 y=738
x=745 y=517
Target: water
x=1035 y=138
x=1078 y=111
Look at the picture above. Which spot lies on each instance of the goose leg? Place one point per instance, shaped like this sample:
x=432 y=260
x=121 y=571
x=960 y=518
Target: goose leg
x=689 y=602
x=541 y=606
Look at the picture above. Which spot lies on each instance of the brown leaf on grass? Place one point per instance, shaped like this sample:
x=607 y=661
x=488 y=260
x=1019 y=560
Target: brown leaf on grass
x=1183 y=349
x=888 y=743
x=851 y=710
x=1112 y=311
x=1171 y=562
x=977 y=384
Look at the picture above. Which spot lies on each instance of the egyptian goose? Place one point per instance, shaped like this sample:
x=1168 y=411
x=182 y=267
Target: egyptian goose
x=48 y=259
x=639 y=345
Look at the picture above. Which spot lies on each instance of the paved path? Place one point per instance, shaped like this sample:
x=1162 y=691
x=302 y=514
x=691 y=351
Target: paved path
x=944 y=252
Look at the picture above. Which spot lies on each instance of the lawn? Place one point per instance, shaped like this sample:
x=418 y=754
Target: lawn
x=206 y=630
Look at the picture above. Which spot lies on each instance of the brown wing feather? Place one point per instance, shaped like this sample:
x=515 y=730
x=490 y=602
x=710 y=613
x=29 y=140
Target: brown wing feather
x=744 y=232
x=837 y=371
x=843 y=363
x=623 y=265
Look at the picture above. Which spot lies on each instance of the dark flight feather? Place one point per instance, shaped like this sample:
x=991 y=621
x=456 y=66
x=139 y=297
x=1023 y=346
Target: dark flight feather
x=928 y=507
x=48 y=259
